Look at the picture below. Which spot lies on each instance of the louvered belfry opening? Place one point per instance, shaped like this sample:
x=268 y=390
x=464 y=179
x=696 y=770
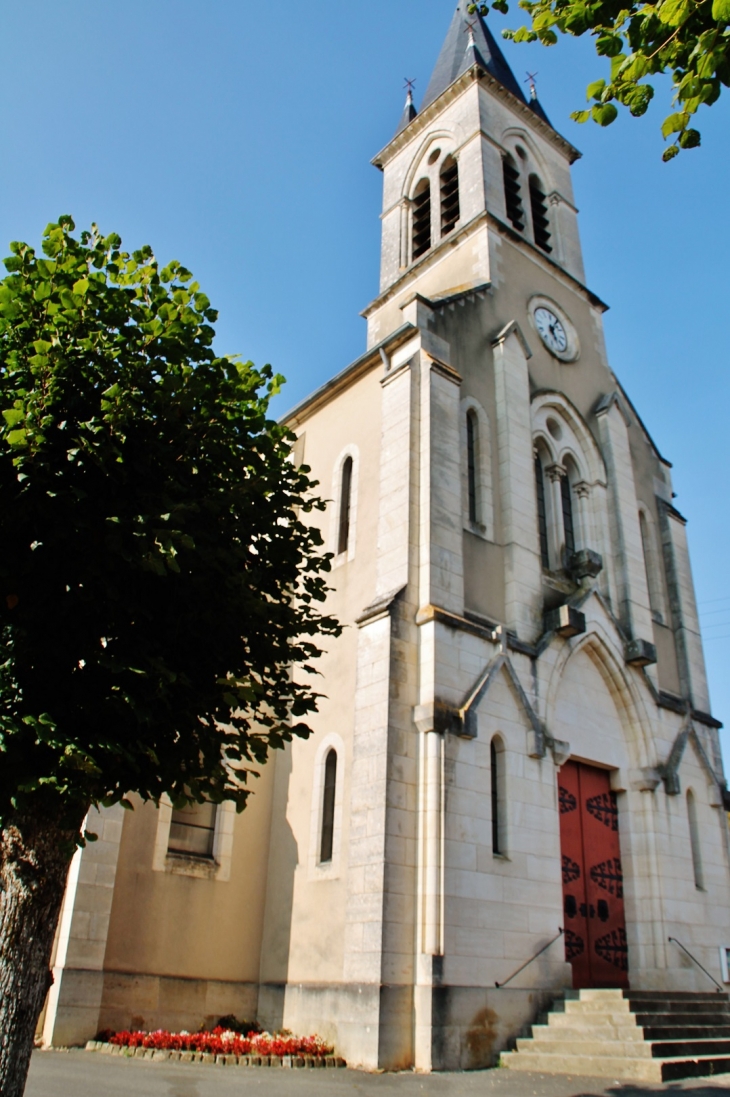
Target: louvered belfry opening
x=450 y=212
x=540 y=221
x=512 y=197
x=422 y=218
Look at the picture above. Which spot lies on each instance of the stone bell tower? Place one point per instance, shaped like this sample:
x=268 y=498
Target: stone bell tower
x=475 y=120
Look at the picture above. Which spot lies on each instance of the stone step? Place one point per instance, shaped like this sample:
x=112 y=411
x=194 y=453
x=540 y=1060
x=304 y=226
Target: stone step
x=684 y=1020
x=699 y=1067
x=672 y=1049
x=591 y=994
x=598 y=1066
x=568 y=1020
x=676 y=995
x=627 y=1049
x=677 y=1005
x=596 y=1005
x=609 y=1033
x=686 y=1032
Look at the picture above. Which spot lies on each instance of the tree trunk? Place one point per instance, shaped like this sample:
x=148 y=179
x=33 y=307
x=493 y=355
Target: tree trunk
x=35 y=855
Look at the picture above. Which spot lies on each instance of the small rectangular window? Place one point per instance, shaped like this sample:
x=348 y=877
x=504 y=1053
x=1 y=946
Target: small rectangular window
x=192 y=830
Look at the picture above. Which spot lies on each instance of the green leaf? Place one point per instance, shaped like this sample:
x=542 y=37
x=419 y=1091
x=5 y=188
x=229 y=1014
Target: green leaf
x=617 y=62
x=721 y=10
x=580 y=115
x=595 y=90
x=674 y=12
x=670 y=153
x=609 y=45
x=81 y=286
x=13 y=417
x=18 y=438
x=604 y=113
x=673 y=123
x=690 y=139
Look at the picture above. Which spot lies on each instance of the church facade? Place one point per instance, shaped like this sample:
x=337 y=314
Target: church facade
x=515 y=762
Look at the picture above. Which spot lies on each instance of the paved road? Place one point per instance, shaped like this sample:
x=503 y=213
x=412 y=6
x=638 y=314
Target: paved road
x=87 y=1074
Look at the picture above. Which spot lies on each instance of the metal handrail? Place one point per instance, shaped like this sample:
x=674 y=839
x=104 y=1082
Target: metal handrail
x=528 y=962
x=720 y=988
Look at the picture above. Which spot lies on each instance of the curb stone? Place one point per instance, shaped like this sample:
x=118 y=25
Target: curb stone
x=287 y=1062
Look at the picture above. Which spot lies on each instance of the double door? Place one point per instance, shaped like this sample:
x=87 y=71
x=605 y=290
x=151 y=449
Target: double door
x=593 y=894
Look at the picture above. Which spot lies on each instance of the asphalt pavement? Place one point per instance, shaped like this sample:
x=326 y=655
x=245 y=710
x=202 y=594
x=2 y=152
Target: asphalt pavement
x=89 y=1074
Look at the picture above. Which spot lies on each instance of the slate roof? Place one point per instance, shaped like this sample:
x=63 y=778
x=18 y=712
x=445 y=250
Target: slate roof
x=535 y=105
x=409 y=113
x=453 y=59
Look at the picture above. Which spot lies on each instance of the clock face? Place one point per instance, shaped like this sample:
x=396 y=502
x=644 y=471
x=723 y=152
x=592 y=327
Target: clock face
x=551 y=330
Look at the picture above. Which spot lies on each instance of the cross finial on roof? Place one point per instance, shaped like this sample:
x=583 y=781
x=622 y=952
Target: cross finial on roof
x=531 y=81
x=409 y=85
x=469 y=29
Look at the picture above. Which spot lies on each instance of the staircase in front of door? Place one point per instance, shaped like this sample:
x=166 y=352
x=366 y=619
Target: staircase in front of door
x=643 y=1036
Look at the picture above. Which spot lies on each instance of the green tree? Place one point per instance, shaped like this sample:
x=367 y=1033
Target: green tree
x=687 y=39
x=158 y=581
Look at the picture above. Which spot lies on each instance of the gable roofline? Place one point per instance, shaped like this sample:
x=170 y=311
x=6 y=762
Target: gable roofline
x=475 y=74
x=348 y=376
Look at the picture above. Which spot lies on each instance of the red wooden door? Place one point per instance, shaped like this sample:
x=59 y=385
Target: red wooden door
x=593 y=896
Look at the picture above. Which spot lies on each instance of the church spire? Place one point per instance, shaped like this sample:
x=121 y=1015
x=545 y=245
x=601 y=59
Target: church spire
x=469 y=41
x=409 y=111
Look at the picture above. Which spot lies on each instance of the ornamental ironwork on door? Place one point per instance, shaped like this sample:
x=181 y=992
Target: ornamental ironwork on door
x=593 y=894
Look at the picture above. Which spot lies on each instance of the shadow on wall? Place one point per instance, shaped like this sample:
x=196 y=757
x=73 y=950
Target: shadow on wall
x=276 y=941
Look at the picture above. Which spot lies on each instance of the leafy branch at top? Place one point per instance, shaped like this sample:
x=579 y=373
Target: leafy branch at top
x=689 y=39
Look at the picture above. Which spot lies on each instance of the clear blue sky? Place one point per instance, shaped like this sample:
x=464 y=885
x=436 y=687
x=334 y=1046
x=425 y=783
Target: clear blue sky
x=236 y=136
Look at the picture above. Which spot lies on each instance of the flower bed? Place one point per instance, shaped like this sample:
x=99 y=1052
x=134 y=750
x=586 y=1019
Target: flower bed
x=222 y=1041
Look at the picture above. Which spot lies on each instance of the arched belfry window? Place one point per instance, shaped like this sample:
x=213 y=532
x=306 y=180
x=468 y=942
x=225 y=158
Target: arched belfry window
x=496 y=768
x=450 y=211
x=421 y=219
x=542 y=524
x=343 y=529
x=694 y=837
x=512 y=195
x=328 y=808
x=472 y=464
x=540 y=219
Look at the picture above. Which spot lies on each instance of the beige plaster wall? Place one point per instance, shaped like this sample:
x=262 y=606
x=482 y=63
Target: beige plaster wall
x=177 y=925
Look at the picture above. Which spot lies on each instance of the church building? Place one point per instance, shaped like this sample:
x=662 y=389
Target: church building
x=515 y=761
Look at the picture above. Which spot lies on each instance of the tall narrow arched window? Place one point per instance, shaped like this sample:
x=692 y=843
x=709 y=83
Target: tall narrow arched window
x=343 y=529
x=472 y=464
x=566 y=499
x=694 y=837
x=328 y=808
x=512 y=196
x=496 y=767
x=540 y=220
x=450 y=211
x=541 y=512
x=421 y=219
